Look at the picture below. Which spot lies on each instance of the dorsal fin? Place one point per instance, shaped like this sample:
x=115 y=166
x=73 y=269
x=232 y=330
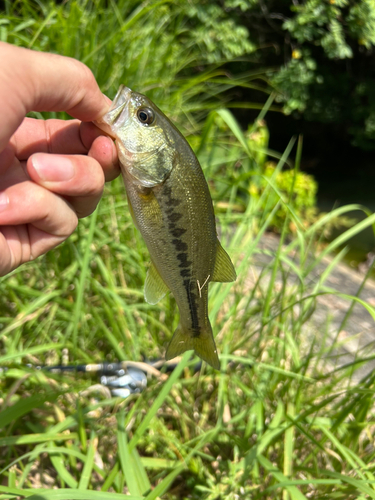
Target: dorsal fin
x=224 y=271
x=155 y=288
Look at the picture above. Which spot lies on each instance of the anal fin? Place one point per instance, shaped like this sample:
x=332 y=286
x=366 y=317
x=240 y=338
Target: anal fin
x=224 y=271
x=155 y=288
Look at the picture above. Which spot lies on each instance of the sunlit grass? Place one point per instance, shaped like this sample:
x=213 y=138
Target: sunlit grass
x=280 y=420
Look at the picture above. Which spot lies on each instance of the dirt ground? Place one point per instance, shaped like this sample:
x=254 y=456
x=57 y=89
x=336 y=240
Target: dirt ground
x=356 y=335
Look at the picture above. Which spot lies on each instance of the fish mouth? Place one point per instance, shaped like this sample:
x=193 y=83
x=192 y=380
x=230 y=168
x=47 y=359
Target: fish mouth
x=121 y=98
x=115 y=116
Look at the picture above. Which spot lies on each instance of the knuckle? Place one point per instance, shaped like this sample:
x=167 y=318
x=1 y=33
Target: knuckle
x=83 y=93
x=84 y=73
x=40 y=199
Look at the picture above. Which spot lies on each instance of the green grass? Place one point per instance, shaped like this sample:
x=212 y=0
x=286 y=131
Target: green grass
x=282 y=419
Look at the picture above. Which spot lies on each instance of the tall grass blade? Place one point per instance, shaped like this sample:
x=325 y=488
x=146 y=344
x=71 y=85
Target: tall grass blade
x=142 y=428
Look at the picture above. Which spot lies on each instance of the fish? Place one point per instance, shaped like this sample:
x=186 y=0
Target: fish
x=171 y=206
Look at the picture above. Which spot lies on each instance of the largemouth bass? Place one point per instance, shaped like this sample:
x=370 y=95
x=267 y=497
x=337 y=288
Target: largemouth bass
x=171 y=206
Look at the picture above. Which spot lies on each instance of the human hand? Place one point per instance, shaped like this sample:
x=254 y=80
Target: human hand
x=51 y=172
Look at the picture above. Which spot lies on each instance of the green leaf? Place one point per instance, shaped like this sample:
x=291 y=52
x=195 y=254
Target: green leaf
x=67 y=494
x=89 y=463
x=22 y=407
x=142 y=428
x=30 y=352
x=127 y=464
x=63 y=474
x=294 y=493
x=35 y=438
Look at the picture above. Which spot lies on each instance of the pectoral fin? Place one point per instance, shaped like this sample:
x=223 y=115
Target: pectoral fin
x=224 y=271
x=155 y=288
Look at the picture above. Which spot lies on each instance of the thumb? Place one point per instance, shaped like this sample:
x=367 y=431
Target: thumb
x=37 y=81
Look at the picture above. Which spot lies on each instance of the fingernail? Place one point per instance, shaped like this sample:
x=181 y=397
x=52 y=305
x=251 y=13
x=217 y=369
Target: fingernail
x=4 y=201
x=53 y=168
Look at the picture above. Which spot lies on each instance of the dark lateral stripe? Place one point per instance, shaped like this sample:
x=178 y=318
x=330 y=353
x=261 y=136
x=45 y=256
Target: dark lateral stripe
x=174 y=217
x=167 y=192
x=182 y=247
x=192 y=301
x=179 y=231
x=173 y=202
x=185 y=273
x=179 y=245
x=182 y=257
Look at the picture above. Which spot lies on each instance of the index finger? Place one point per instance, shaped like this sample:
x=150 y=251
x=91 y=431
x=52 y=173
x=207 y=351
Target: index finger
x=53 y=136
x=36 y=81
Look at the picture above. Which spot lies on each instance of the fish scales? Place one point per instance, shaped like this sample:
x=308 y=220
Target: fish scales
x=172 y=208
x=173 y=238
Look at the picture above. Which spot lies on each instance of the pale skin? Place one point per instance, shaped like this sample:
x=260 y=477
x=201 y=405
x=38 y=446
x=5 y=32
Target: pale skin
x=51 y=172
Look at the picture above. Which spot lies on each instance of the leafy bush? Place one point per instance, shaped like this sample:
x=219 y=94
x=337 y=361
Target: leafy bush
x=166 y=49
x=323 y=59
x=321 y=53
x=240 y=172
x=298 y=187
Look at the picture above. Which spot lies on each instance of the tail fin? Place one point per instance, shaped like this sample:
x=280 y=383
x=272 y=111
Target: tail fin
x=203 y=345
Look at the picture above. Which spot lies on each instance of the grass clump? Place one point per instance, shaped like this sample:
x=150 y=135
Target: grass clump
x=284 y=417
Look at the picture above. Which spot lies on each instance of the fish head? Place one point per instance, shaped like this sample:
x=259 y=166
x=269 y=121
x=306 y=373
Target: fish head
x=144 y=137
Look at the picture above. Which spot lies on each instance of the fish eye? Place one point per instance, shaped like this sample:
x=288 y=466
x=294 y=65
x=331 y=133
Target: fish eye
x=145 y=115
